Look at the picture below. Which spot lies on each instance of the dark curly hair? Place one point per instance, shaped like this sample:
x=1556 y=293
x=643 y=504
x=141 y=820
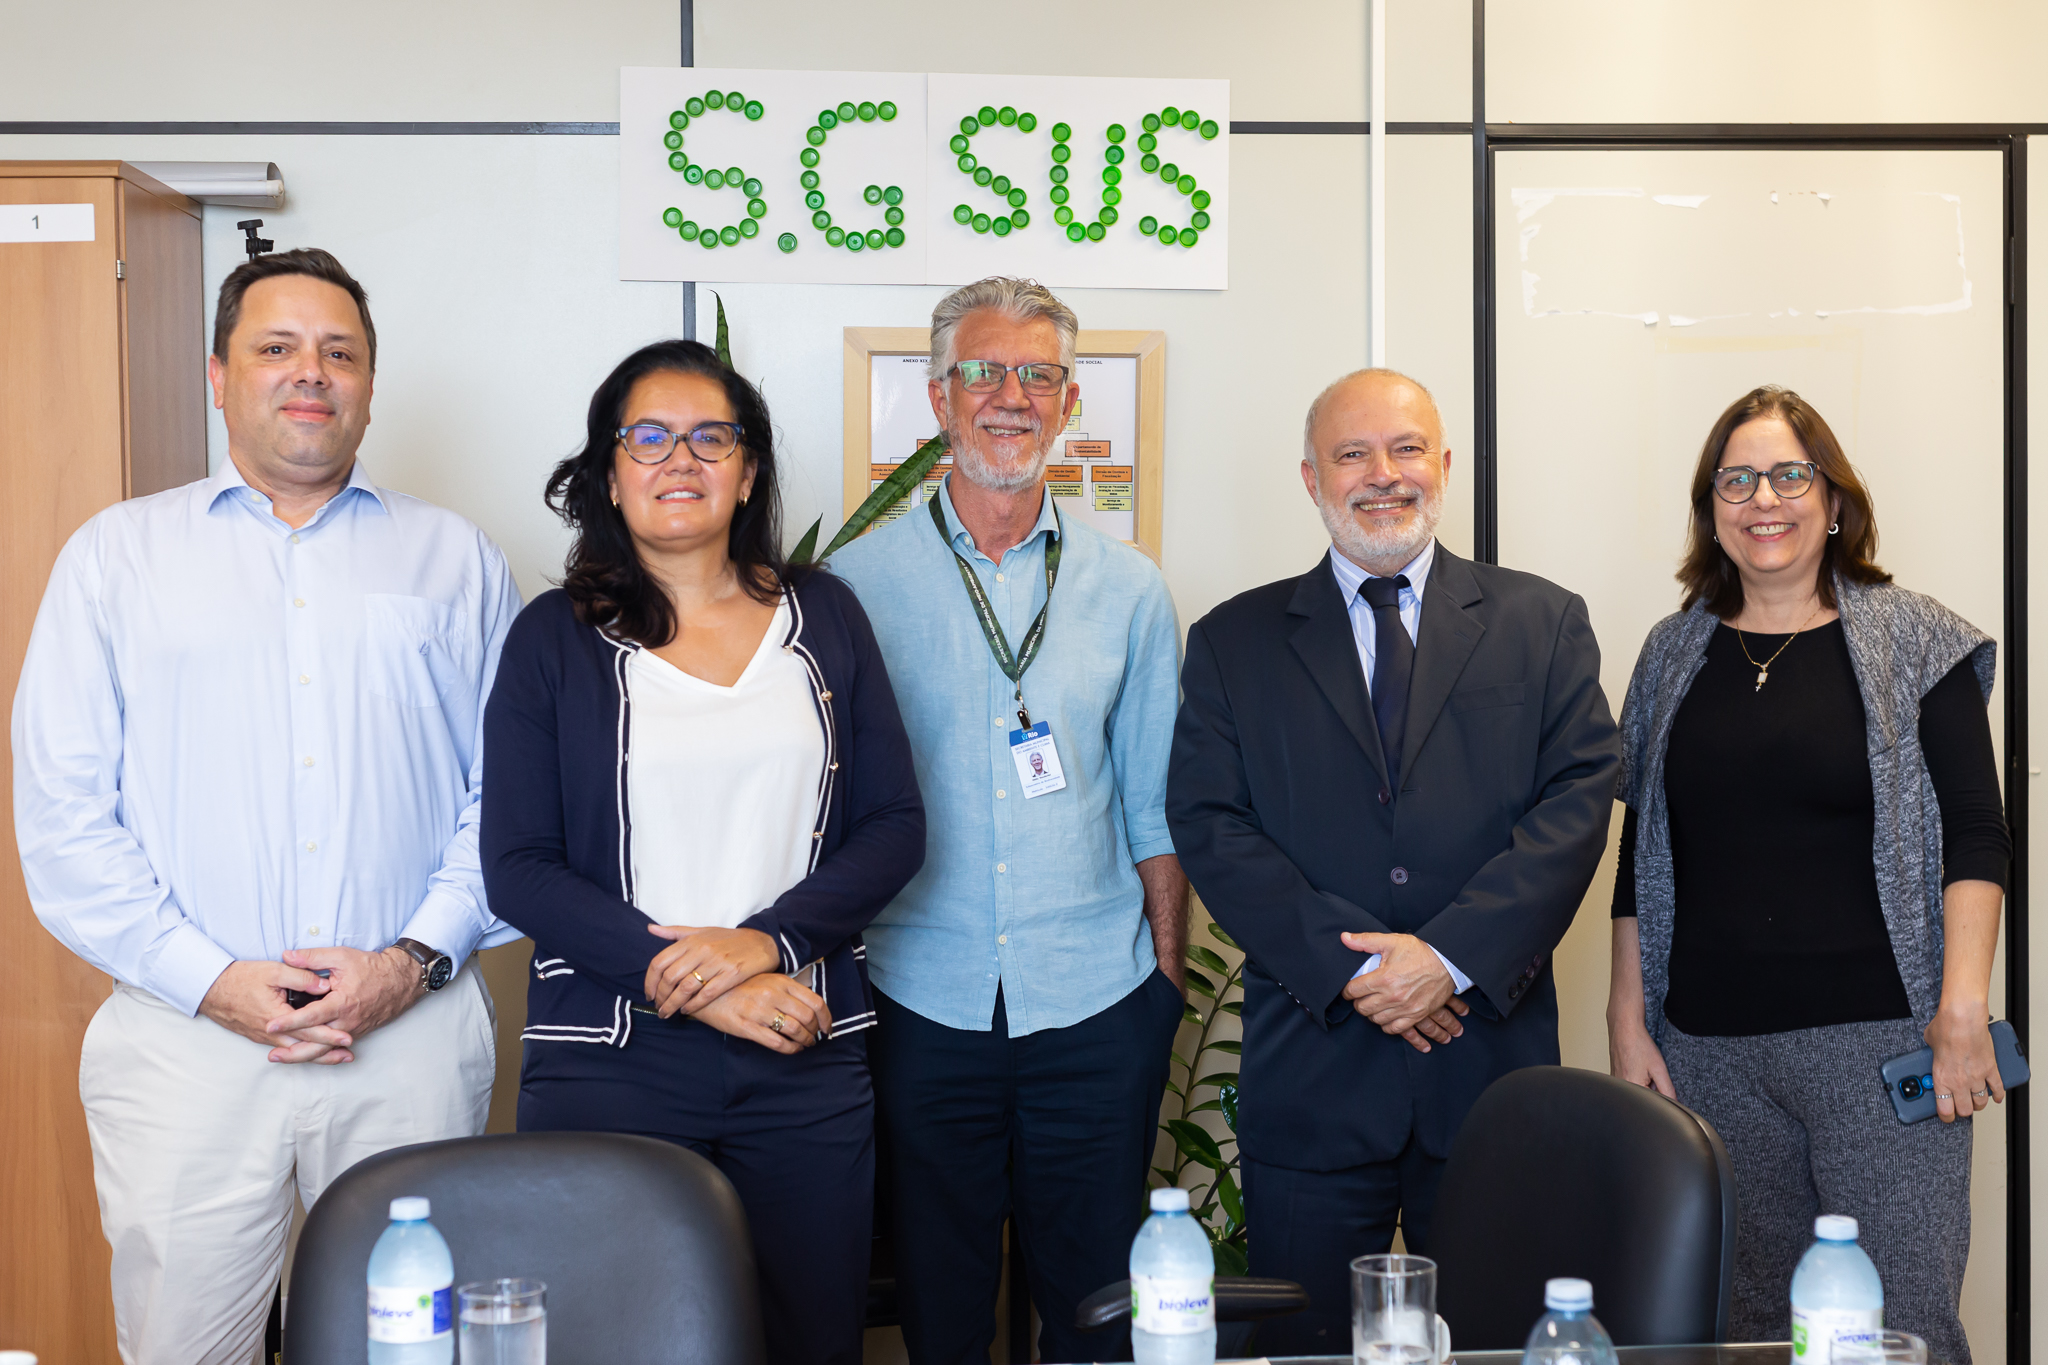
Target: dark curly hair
x=603 y=575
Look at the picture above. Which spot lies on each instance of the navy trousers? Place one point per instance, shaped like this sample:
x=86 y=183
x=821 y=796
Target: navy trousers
x=1309 y=1226
x=1055 y=1128
x=795 y=1135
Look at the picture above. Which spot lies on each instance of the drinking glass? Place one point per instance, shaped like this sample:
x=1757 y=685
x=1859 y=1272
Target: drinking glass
x=1879 y=1348
x=1393 y=1312
x=505 y=1322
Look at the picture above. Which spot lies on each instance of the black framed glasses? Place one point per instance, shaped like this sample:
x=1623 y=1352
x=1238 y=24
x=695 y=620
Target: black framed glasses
x=650 y=443
x=986 y=376
x=1738 y=482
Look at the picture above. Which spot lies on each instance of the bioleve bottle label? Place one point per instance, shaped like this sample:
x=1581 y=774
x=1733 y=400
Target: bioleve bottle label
x=1814 y=1330
x=1171 y=1307
x=402 y=1316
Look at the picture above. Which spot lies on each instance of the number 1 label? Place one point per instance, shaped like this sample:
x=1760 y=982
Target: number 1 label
x=46 y=223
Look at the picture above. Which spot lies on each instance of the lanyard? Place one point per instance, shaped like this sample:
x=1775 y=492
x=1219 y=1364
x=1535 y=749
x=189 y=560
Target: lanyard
x=1013 y=666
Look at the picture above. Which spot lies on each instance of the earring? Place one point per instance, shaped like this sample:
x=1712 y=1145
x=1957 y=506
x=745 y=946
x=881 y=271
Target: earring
x=1835 y=529
x=743 y=502
x=1717 y=540
x=615 y=499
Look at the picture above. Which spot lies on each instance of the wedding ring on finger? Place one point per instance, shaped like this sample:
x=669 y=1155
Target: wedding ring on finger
x=776 y=1022
x=699 y=976
x=1985 y=1093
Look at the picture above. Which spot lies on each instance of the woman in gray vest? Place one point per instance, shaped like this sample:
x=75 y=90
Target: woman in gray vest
x=1812 y=867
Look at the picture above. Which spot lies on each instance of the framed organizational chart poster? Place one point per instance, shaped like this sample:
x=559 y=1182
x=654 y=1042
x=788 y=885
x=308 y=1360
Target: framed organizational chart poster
x=1105 y=469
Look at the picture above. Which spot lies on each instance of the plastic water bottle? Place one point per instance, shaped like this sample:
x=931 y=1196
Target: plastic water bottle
x=1173 y=1287
x=412 y=1291
x=1568 y=1333
x=1835 y=1292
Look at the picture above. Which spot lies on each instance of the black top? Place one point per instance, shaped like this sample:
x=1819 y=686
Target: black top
x=1773 y=820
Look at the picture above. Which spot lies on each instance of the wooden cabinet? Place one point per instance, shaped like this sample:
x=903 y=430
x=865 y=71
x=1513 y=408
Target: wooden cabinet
x=102 y=397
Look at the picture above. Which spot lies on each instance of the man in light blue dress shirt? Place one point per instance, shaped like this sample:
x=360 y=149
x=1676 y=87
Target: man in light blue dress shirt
x=1028 y=979
x=246 y=762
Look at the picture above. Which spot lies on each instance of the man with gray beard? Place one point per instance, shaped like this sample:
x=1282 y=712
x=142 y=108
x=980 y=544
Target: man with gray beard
x=1028 y=979
x=1391 y=781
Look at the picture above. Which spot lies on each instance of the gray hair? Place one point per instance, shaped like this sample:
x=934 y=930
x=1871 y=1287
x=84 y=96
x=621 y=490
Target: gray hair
x=1017 y=300
x=1315 y=409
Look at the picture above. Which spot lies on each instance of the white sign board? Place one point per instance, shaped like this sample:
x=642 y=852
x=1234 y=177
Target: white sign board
x=46 y=223
x=873 y=178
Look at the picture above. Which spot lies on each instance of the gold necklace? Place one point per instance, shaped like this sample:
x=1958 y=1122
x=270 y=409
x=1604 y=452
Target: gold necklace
x=1763 y=670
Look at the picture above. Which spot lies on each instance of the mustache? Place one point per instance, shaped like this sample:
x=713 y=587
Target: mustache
x=1398 y=490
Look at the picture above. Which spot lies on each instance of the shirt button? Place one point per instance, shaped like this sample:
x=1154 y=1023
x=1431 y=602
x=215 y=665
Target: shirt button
x=298 y=601
x=997 y=722
x=295 y=539
x=1000 y=793
x=1002 y=938
x=999 y=578
x=314 y=931
x=309 y=761
x=1400 y=876
x=303 y=680
x=1385 y=796
x=312 y=847
x=1002 y=867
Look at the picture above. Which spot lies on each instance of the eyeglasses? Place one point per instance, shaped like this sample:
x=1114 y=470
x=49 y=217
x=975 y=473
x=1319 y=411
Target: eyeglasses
x=985 y=376
x=1738 y=482
x=710 y=442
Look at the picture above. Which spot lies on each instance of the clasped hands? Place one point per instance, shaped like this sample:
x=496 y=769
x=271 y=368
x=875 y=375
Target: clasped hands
x=728 y=978
x=1409 y=994
x=361 y=992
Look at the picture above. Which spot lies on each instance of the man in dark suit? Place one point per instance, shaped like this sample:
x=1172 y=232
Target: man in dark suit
x=1391 y=782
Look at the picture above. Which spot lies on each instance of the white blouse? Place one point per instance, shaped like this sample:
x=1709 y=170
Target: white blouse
x=723 y=784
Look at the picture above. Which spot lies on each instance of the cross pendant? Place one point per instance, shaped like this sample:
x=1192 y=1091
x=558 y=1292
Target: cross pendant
x=1763 y=675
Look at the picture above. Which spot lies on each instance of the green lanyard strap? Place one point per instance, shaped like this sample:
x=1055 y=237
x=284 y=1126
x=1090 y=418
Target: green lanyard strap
x=1013 y=666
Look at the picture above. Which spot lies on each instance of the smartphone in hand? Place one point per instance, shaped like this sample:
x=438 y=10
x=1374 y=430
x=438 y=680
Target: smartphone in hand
x=298 y=1000
x=1909 y=1077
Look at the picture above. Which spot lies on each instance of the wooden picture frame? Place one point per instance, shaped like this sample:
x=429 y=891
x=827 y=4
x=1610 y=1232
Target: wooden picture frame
x=1147 y=348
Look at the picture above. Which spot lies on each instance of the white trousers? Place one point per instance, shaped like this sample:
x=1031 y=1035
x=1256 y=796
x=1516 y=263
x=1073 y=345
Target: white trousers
x=198 y=1138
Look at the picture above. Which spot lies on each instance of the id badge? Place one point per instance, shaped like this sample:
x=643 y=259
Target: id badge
x=1038 y=760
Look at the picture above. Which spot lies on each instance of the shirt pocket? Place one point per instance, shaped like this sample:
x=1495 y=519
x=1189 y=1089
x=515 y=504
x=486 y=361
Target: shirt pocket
x=408 y=648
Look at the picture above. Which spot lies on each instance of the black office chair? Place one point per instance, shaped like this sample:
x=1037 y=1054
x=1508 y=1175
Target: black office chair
x=642 y=1244
x=1565 y=1172
x=1241 y=1304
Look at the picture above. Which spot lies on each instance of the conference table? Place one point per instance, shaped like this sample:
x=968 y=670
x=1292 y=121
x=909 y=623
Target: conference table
x=1745 y=1353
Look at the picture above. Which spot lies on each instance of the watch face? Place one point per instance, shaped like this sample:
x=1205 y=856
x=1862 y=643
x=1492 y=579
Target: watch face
x=439 y=972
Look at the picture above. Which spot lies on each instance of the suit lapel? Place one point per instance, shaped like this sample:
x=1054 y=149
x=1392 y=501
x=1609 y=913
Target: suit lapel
x=1327 y=648
x=1446 y=639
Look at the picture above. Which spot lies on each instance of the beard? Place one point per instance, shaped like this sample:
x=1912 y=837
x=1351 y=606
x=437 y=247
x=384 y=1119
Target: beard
x=997 y=476
x=1399 y=543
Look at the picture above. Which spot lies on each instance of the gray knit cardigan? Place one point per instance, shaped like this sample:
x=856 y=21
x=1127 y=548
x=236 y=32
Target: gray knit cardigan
x=1900 y=645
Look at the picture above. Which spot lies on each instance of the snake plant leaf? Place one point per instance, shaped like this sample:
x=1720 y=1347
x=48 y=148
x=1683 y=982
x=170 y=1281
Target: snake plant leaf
x=1228 y=1078
x=807 y=544
x=723 y=339
x=1208 y=958
x=1230 y=1258
x=897 y=486
x=1216 y=932
x=1195 y=1142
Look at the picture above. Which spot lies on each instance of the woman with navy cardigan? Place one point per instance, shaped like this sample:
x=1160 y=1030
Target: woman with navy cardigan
x=699 y=793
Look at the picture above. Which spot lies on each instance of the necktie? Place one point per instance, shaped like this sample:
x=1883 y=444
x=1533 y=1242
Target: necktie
x=1393 y=662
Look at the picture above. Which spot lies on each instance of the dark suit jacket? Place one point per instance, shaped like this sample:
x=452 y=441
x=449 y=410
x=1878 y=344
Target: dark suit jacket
x=1280 y=812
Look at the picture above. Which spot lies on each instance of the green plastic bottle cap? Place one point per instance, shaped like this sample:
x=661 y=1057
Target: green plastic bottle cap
x=1210 y=128
x=1111 y=175
x=689 y=230
x=714 y=99
x=821 y=220
x=815 y=136
x=1148 y=163
x=1001 y=184
x=848 y=111
x=970 y=125
x=866 y=111
x=1007 y=116
x=967 y=162
x=1061 y=152
x=752 y=189
x=1167 y=233
x=827 y=119
x=692 y=173
x=809 y=156
x=1200 y=199
x=1112 y=195
x=1020 y=219
x=894 y=236
x=855 y=242
x=1059 y=175
x=1096 y=232
x=981 y=222
x=673 y=217
x=1059 y=194
x=873 y=194
x=887 y=110
x=707 y=239
x=1199 y=220
x=1169 y=172
x=694 y=105
x=1188 y=236
x=892 y=215
x=1150 y=123
x=959 y=144
x=1061 y=132
x=679 y=119
x=736 y=102
x=809 y=180
x=750 y=227
x=714 y=180
x=757 y=208
x=1106 y=215
x=755 y=109
x=893 y=195
x=1063 y=215
x=875 y=237
x=1186 y=184
x=1017 y=198
x=729 y=234
x=986 y=117
x=787 y=241
x=677 y=161
x=1113 y=155
x=963 y=214
x=734 y=175
x=835 y=236
x=982 y=175
x=1190 y=120
x=1000 y=226
x=1169 y=114
x=1116 y=132
x=1147 y=143
x=1148 y=225
x=671 y=139
x=1027 y=122
x=1076 y=233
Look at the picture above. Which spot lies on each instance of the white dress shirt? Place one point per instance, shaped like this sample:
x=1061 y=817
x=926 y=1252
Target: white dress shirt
x=1409 y=602
x=723 y=784
x=232 y=738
